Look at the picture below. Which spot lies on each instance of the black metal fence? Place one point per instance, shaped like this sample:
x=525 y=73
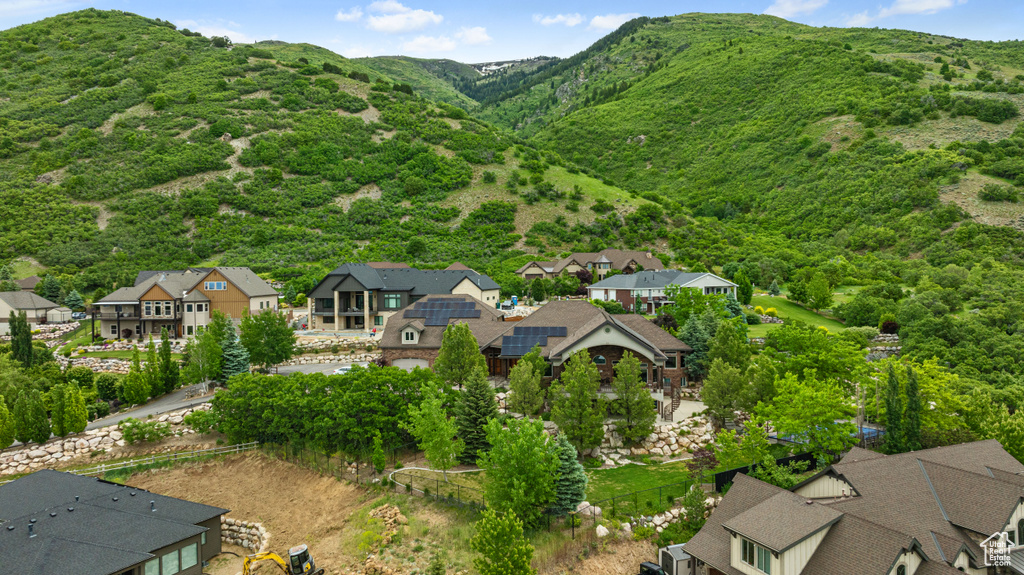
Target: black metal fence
x=636 y=504
x=723 y=478
x=359 y=468
x=430 y=485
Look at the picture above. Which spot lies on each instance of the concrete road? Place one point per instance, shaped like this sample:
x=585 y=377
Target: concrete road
x=327 y=368
x=170 y=402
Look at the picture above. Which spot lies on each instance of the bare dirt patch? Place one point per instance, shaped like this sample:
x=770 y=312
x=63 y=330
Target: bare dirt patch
x=371 y=191
x=616 y=557
x=840 y=131
x=294 y=504
x=965 y=195
x=137 y=110
x=945 y=130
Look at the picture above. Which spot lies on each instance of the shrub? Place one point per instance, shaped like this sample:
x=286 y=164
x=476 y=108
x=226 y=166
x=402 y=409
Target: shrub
x=106 y=386
x=602 y=207
x=136 y=431
x=752 y=318
x=997 y=193
x=643 y=532
x=771 y=312
x=759 y=310
x=490 y=177
x=202 y=421
x=890 y=327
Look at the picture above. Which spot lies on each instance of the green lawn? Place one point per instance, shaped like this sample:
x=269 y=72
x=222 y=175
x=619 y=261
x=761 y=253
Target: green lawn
x=23 y=269
x=80 y=336
x=791 y=310
x=606 y=483
x=123 y=354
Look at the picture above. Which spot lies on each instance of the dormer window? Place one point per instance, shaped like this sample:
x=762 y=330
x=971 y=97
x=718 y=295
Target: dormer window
x=759 y=557
x=410 y=335
x=901 y=570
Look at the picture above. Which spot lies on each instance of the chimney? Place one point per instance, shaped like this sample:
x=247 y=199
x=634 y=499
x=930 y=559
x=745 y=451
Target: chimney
x=163 y=276
x=152 y=505
x=31 y=532
x=76 y=498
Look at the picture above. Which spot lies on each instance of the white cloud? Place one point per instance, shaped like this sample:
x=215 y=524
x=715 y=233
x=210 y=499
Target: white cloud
x=473 y=36
x=357 y=51
x=20 y=7
x=790 y=8
x=859 y=20
x=388 y=7
x=352 y=15
x=429 y=44
x=611 y=21
x=918 y=7
x=211 y=29
x=567 y=19
x=395 y=17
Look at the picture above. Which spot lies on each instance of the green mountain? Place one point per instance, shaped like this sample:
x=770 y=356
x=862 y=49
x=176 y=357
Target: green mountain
x=126 y=144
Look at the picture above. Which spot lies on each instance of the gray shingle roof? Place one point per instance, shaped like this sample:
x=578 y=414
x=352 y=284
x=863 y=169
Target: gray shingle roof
x=102 y=534
x=782 y=521
x=653 y=280
x=618 y=259
x=26 y=300
x=491 y=321
x=415 y=281
x=178 y=282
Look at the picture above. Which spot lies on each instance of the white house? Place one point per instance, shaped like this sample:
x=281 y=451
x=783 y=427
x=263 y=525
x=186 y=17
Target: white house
x=649 y=287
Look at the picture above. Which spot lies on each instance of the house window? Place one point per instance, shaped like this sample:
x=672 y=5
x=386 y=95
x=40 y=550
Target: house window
x=1011 y=536
x=392 y=300
x=188 y=330
x=203 y=538
x=149 y=308
x=599 y=360
x=643 y=372
x=901 y=570
x=113 y=330
x=1020 y=527
x=169 y=563
x=378 y=320
x=188 y=308
x=757 y=556
x=326 y=303
x=670 y=361
x=666 y=380
x=215 y=286
x=189 y=556
x=152 y=567
x=410 y=335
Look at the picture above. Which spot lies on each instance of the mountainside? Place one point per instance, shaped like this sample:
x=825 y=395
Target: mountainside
x=125 y=145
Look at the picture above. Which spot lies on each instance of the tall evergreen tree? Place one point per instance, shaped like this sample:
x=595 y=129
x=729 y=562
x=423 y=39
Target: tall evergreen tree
x=58 y=399
x=744 y=288
x=459 y=357
x=476 y=407
x=575 y=405
x=74 y=300
x=773 y=288
x=732 y=306
x=633 y=400
x=571 y=485
x=912 y=417
x=22 y=426
x=7 y=425
x=235 y=358
x=31 y=423
x=694 y=335
x=894 y=436
x=169 y=371
x=152 y=369
x=21 y=339
x=49 y=288
x=135 y=388
x=76 y=416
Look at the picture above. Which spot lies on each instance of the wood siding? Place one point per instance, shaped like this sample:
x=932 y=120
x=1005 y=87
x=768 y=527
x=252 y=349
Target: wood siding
x=737 y=563
x=231 y=301
x=825 y=487
x=795 y=558
x=156 y=293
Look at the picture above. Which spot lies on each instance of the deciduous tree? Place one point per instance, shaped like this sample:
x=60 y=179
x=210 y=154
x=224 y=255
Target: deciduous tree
x=434 y=430
x=459 y=357
x=526 y=395
x=816 y=413
x=204 y=358
x=575 y=405
x=267 y=337
x=633 y=402
x=520 y=468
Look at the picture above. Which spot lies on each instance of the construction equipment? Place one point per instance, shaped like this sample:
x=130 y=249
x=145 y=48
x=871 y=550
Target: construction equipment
x=299 y=562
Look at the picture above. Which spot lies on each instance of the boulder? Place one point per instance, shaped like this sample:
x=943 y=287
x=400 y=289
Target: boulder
x=602 y=531
x=37 y=454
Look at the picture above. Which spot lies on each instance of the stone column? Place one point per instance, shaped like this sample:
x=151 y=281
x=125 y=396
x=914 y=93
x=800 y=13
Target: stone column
x=309 y=312
x=366 y=311
x=336 y=305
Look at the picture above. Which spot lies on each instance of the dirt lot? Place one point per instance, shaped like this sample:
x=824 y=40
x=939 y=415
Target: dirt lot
x=296 y=505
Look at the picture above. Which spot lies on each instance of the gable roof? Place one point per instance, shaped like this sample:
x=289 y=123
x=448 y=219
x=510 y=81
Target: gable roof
x=28 y=283
x=245 y=280
x=458 y=266
x=178 y=283
x=415 y=281
x=618 y=259
x=106 y=527
x=490 y=321
x=654 y=280
x=25 y=300
x=782 y=521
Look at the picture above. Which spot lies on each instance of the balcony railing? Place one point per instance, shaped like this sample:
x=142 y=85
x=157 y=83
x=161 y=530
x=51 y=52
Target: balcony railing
x=118 y=315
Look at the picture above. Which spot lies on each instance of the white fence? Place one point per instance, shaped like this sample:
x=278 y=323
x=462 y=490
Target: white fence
x=163 y=457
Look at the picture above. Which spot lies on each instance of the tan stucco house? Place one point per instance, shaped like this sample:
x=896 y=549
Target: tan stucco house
x=649 y=287
x=599 y=264
x=35 y=308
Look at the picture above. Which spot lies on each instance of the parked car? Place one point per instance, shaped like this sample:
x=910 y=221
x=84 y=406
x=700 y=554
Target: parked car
x=507 y=304
x=78 y=315
x=343 y=370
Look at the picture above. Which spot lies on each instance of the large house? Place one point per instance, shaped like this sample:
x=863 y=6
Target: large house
x=363 y=296
x=649 y=287
x=182 y=301
x=929 y=512
x=55 y=523
x=560 y=328
x=599 y=264
x=35 y=308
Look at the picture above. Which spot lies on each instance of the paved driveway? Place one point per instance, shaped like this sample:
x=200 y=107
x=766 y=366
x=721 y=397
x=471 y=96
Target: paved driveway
x=170 y=402
x=327 y=368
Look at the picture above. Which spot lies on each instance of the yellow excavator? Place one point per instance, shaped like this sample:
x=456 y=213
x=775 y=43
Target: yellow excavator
x=299 y=562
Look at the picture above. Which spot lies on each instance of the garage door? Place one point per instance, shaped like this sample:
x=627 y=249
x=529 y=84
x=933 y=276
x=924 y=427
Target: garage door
x=410 y=364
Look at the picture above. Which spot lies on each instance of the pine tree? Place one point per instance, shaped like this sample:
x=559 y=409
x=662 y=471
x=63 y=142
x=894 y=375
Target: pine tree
x=75 y=416
x=894 y=436
x=7 y=425
x=695 y=504
x=378 y=458
x=436 y=566
x=732 y=306
x=477 y=406
x=774 y=288
x=58 y=400
x=22 y=426
x=152 y=370
x=169 y=373
x=49 y=288
x=459 y=357
x=694 y=335
x=134 y=388
x=571 y=485
x=235 y=358
x=74 y=300
x=634 y=402
x=912 y=417
x=575 y=406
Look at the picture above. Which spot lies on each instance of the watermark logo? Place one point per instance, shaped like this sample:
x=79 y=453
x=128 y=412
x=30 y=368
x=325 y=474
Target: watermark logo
x=997 y=549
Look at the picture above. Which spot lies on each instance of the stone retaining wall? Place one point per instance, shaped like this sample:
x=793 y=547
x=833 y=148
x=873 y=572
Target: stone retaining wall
x=367 y=357
x=668 y=441
x=61 y=450
x=247 y=534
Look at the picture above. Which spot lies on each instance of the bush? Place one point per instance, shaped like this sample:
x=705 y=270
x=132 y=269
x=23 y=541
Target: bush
x=602 y=207
x=106 y=386
x=759 y=310
x=674 y=533
x=490 y=177
x=136 y=431
x=97 y=410
x=997 y=193
x=752 y=318
x=643 y=532
x=202 y=421
x=771 y=312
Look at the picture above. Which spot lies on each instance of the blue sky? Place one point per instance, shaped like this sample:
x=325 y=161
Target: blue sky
x=488 y=31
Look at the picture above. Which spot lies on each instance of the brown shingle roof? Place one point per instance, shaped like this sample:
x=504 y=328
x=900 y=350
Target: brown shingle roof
x=28 y=283
x=856 y=546
x=388 y=265
x=489 y=322
x=458 y=266
x=783 y=520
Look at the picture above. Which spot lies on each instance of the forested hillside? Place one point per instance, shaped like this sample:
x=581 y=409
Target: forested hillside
x=126 y=144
